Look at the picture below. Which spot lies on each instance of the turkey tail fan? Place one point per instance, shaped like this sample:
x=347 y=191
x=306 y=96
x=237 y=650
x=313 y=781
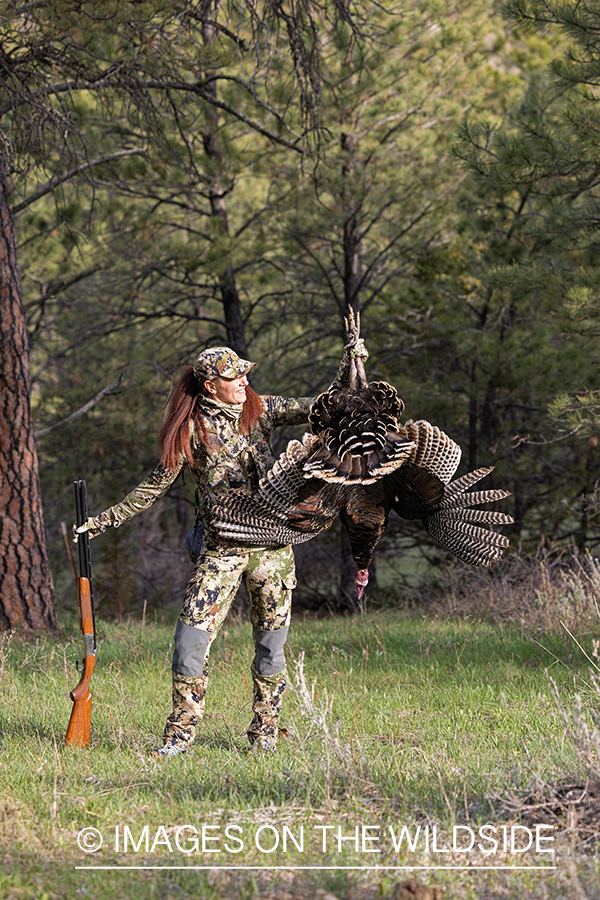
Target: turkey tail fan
x=434 y=450
x=378 y=398
x=361 y=457
x=360 y=437
x=450 y=523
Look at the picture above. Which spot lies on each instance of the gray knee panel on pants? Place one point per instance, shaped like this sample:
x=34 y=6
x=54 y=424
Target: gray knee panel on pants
x=270 y=658
x=190 y=649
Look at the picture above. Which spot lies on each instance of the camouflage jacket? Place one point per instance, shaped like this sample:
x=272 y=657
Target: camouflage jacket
x=226 y=463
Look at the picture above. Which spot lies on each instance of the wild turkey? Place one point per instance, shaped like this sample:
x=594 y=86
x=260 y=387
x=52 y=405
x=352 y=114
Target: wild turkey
x=357 y=426
x=359 y=465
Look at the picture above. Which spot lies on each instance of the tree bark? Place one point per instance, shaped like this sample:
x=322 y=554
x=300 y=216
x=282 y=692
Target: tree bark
x=26 y=589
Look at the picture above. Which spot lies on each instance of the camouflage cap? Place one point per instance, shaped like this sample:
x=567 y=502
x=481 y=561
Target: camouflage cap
x=220 y=362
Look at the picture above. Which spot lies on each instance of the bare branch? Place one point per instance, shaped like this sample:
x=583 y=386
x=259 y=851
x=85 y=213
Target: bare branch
x=82 y=410
x=57 y=287
x=66 y=176
x=220 y=104
x=240 y=42
x=65 y=87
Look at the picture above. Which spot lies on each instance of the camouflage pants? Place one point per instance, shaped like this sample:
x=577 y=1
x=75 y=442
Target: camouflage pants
x=270 y=577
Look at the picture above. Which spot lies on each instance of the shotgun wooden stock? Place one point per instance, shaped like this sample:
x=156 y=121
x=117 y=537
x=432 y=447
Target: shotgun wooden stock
x=78 y=732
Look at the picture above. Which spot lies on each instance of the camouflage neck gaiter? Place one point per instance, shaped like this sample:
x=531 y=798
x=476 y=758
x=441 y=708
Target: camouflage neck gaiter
x=232 y=411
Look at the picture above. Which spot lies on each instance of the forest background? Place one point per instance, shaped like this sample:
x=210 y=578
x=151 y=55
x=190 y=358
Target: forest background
x=184 y=174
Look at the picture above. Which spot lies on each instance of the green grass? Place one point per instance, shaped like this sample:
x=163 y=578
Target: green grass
x=395 y=720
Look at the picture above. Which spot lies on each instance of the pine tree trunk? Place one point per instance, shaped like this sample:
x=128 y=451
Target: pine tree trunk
x=26 y=590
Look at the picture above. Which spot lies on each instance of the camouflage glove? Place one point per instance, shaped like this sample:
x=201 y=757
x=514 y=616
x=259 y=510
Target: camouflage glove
x=94 y=526
x=356 y=350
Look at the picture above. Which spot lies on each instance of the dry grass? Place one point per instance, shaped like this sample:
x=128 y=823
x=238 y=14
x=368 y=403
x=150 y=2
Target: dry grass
x=572 y=807
x=547 y=591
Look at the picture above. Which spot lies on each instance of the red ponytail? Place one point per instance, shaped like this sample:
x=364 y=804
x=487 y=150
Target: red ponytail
x=253 y=410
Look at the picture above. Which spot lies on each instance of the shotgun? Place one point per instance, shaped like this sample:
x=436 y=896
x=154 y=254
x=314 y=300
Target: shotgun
x=78 y=732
